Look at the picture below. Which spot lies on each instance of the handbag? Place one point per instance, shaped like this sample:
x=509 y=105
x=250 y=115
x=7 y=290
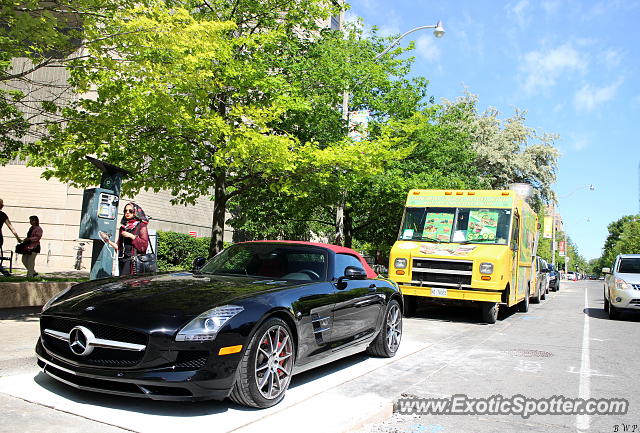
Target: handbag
x=145 y=263
x=22 y=248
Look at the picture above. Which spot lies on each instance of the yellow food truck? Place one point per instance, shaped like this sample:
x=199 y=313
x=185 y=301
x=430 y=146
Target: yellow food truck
x=469 y=246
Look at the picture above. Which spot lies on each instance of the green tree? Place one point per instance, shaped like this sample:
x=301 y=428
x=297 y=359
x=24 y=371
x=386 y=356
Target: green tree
x=191 y=100
x=35 y=35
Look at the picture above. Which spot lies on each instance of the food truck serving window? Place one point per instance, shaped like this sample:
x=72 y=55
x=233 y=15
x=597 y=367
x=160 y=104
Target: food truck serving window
x=468 y=225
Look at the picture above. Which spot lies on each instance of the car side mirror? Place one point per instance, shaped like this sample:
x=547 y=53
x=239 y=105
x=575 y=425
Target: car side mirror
x=606 y=270
x=198 y=263
x=351 y=273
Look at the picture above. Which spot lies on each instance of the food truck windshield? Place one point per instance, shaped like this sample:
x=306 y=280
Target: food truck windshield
x=458 y=225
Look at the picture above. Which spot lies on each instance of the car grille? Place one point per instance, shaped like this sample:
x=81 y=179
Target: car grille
x=441 y=273
x=636 y=286
x=99 y=356
x=634 y=302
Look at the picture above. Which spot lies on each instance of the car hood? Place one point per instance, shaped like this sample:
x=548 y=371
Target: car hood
x=629 y=278
x=157 y=300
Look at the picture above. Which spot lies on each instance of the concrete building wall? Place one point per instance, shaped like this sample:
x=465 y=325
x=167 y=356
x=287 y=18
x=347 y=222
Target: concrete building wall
x=58 y=206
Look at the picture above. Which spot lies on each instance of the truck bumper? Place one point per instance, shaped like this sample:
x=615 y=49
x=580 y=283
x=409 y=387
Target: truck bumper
x=457 y=294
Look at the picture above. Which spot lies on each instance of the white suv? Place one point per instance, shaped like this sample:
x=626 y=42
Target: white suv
x=622 y=285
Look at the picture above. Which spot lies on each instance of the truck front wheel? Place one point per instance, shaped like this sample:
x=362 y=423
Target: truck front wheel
x=489 y=312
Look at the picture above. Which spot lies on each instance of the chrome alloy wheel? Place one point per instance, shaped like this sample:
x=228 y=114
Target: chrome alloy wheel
x=394 y=327
x=274 y=362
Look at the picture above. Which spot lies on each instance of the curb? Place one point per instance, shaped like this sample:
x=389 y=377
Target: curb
x=30 y=294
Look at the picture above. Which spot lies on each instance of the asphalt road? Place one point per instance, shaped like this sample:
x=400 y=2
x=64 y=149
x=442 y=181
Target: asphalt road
x=565 y=346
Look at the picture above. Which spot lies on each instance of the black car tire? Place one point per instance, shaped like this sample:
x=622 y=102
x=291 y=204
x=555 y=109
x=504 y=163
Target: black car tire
x=536 y=299
x=489 y=312
x=523 y=306
x=387 y=341
x=246 y=390
x=543 y=296
x=614 y=313
x=410 y=305
x=606 y=303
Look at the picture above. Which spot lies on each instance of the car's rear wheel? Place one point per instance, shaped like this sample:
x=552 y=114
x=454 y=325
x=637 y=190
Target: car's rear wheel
x=536 y=299
x=387 y=341
x=264 y=372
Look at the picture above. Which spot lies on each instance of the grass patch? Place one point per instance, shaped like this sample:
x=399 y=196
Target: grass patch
x=39 y=279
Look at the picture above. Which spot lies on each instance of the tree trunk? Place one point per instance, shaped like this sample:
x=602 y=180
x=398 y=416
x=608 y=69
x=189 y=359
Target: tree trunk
x=348 y=228
x=219 y=207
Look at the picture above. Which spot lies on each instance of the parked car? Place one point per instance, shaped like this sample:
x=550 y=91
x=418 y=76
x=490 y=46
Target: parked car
x=554 y=278
x=622 y=285
x=542 y=280
x=240 y=326
x=571 y=276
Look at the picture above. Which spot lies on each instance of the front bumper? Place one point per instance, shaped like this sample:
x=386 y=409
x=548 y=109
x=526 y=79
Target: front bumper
x=454 y=294
x=629 y=298
x=213 y=381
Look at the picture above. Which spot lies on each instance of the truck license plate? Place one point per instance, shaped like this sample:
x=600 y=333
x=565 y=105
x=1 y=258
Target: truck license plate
x=438 y=292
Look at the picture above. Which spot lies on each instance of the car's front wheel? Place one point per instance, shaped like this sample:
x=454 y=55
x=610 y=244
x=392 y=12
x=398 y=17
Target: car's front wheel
x=387 y=341
x=264 y=372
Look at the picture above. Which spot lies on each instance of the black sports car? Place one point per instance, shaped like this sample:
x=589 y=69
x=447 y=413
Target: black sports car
x=238 y=327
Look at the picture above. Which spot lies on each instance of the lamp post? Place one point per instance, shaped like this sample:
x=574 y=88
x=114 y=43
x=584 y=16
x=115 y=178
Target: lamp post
x=590 y=187
x=438 y=32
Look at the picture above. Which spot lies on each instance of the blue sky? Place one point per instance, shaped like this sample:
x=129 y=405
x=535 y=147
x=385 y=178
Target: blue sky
x=574 y=66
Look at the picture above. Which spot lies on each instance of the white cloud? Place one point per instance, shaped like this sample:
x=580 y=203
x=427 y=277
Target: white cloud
x=588 y=98
x=580 y=143
x=611 y=58
x=543 y=68
x=427 y=47
x=551 y=6
x=519 y=11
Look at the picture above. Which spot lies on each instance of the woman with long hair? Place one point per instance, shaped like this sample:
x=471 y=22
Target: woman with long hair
x=33 y=246
x=133 y=238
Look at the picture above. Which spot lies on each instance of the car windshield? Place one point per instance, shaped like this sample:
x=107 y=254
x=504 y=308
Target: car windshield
x=461 y=225
x=630 y=265
x=267 y=260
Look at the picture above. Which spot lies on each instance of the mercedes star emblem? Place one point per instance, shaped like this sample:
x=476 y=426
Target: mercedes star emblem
x=80 y=339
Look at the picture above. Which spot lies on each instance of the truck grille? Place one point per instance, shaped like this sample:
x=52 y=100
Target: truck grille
x=441 y=273
x=99 y=356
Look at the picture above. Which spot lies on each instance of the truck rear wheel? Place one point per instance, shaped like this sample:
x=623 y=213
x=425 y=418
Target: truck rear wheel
x=523 y=306
x=489 y=312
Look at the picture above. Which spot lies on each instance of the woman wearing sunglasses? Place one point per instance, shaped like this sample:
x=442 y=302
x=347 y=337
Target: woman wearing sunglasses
x=133 y=238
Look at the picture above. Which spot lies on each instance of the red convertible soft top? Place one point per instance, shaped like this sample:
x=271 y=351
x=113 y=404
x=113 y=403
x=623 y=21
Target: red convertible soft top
x=335 y=248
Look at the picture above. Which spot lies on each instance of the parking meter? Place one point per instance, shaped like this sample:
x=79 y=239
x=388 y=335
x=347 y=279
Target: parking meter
x=100 y=214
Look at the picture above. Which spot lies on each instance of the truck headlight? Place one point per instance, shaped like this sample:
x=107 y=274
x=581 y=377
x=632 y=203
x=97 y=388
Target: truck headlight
x=400 y=263
x=622 y=285
x=486 y=268
x=205 y=327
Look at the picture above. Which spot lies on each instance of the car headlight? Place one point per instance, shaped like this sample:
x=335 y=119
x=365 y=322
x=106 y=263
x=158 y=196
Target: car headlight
x=486 y=268
x=205 y=327
x=621 y=284
x=400 y=263
x=54 y=299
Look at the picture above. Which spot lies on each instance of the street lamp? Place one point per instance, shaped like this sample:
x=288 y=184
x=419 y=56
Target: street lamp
x=590 y=187
x=438 y=32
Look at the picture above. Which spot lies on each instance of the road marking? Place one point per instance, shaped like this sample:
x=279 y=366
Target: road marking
x=574 y=370
x=584 y=391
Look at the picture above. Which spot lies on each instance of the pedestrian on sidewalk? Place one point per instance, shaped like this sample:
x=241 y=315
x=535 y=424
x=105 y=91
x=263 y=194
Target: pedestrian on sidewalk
x=133 y=238
x=4 y=219
x=32 y=246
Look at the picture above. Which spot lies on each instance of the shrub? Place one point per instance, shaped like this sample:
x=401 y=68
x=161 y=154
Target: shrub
x=178 y=250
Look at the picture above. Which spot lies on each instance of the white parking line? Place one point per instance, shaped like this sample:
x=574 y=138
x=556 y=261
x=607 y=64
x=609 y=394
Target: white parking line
x=584 y=391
